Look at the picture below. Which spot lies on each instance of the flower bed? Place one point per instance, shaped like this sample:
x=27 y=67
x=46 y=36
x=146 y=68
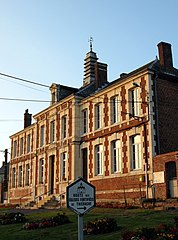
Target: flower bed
x=11 y=218
x=163 y=232
x=59 y=219
x=100 y=226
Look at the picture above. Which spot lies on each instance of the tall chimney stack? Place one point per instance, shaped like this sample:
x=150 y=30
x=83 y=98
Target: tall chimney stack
x=27 y=118
x=165 y=55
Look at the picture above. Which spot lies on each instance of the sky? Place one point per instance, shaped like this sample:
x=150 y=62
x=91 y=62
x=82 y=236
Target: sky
x=46 y=41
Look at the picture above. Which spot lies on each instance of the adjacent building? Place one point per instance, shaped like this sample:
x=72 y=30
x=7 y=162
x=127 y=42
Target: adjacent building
x=110 y=133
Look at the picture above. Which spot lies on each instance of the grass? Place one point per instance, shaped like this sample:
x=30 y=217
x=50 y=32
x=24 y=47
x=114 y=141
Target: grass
x=127 y=220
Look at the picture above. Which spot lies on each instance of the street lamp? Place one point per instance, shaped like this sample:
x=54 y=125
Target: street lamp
x=145 y=139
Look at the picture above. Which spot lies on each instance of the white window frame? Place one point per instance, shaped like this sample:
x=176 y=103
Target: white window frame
x=27 y=174
x=63 y=166
x=20 y=176
x=85 y=120
x=99 y=159
x=15 y=149
x=13 y=177
x=41 y=171
x=28 y=143
x=64 y=126
x=52 y=131
x=135 y=142
x=21 y=146
x=116 y=156
x=115 y=110
x=98 y=116
x=134 y=102
x=42 y=135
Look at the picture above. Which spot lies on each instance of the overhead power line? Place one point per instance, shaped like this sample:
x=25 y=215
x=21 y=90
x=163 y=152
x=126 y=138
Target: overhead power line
x=24 y=100
x=23 y=80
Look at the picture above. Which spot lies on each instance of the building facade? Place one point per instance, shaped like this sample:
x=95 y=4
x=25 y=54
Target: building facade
x=107 y=132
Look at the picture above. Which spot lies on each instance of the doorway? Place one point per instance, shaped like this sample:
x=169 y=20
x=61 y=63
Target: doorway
x=171 y=180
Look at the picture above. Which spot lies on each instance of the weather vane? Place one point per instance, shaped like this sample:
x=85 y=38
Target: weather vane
x=90 y=40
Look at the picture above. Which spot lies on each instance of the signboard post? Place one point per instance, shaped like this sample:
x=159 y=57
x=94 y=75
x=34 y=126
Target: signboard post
x=80 y=199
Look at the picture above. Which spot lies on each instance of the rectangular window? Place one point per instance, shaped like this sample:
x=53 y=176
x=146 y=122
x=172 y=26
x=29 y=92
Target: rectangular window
x=135 y=152
x=63 y=165
x=64 y=126
x=13 y=177
x=28 y=143
x=15 y=149
x=134 y=102
x=27 y=175
x=41 y=171
x=85 y=121
x=116 y=156
x=114 y=110
x=99 y=159
x=20 y=176
x=42 y=135
x=98 y=121
x=21 y=146
x=52 y=131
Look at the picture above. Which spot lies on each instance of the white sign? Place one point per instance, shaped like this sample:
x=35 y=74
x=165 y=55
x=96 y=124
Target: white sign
x=158 y=177
x=80 y=196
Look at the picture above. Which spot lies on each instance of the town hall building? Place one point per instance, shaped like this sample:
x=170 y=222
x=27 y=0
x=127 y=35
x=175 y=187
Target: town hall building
x=117 y=135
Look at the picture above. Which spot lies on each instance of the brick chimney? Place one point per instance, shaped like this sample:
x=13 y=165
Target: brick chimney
x=27 y=118
x=165 y=55
x=100 y=74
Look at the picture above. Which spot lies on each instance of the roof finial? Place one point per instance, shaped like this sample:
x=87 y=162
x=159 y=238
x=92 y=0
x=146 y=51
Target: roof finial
x=90 y=40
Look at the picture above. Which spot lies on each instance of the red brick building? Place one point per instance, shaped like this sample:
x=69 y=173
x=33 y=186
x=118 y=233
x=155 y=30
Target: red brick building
x=111 y=133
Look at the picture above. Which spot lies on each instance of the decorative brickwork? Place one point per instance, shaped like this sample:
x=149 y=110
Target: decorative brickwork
x=124 y=151
x=106 y=154
x=106 y=111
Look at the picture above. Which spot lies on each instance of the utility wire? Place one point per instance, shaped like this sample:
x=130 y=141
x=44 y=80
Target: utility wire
x=23 y=80
x=22 y=85
x=24 y=100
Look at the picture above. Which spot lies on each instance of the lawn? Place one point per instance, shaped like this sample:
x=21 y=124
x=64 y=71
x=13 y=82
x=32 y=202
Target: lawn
x=128 y=219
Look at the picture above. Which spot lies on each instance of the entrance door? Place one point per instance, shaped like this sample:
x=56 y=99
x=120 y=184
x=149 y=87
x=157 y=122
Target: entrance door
x=85 y=163
x=51 y=174
x=171 y=178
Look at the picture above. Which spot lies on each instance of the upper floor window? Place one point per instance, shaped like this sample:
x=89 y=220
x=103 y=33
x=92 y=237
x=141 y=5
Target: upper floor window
x=13 y=177
x=64 y=126
x=41 y=170
x=52 y=131
x=134 y=102
x=27 y=175
x=98 y=115
x=115 y=110
x=135 y=152
x=21 y=145
x=116 y=156
x=63 y=165
x=20 y=176
x=15 y=149
x=85 y=120
x=42 y=135
x=99 y=159
x=28 y=143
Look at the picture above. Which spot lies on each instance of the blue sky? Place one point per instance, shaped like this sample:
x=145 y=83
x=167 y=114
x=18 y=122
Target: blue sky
x=46 y=41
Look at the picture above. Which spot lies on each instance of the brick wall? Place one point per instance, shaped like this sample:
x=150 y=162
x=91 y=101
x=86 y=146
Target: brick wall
x=167 y=93
x=159 y=165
